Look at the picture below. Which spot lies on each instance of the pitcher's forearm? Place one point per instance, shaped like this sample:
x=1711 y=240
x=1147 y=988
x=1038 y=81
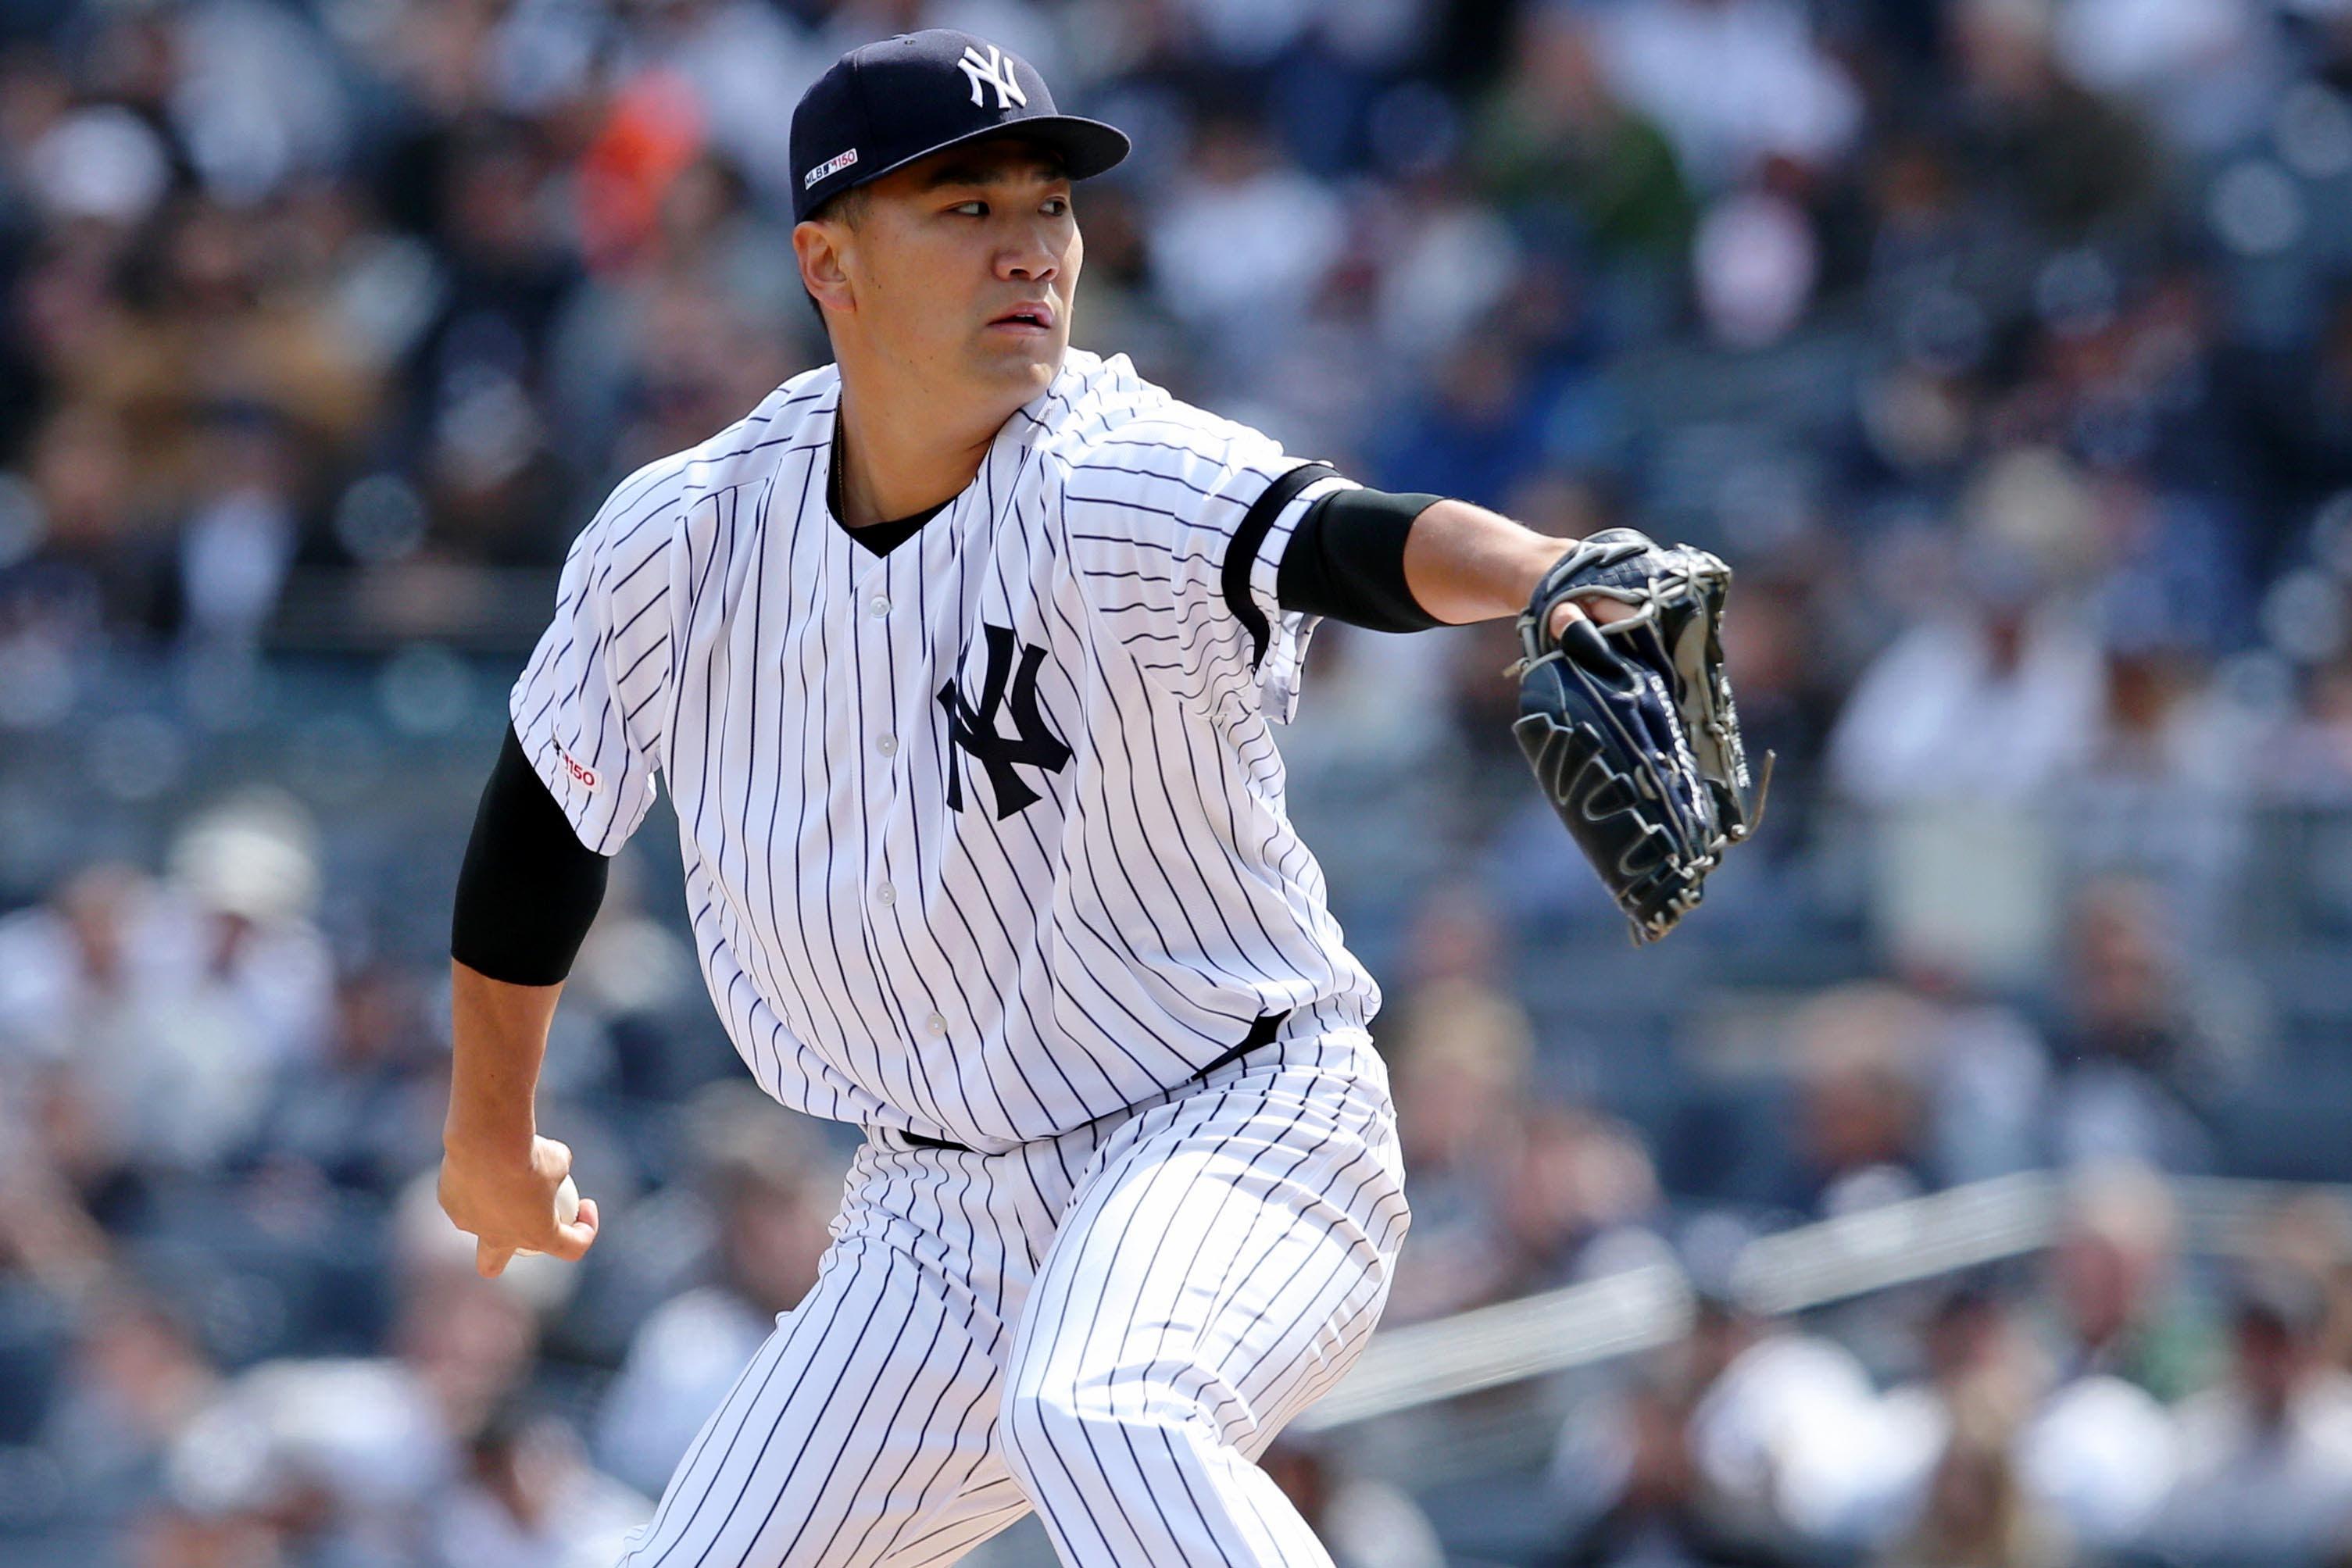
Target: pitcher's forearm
x=526 y=893
x=1465 y=563
x=499 y=1037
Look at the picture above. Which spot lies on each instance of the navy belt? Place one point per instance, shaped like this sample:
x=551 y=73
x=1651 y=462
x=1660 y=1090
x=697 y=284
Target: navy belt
x=1260 y=1033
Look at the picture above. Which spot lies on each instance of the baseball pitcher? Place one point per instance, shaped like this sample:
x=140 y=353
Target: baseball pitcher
x=957 y=657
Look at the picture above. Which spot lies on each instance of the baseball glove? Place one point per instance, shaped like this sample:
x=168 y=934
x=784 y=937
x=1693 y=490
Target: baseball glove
x=1630 y=726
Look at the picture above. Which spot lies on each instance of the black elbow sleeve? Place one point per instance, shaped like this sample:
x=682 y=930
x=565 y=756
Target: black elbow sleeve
x=528 y=889
x=1346 y=560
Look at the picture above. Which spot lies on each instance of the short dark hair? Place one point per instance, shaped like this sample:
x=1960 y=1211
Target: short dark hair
x=842 y=208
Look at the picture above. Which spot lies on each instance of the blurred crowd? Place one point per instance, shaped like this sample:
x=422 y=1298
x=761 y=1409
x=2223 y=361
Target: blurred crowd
x=2003 y=345
x=234 y=1328
x=2114 y=1403
x=2115 y=1391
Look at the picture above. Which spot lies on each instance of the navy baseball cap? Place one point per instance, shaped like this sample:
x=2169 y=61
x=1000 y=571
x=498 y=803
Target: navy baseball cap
x=881 y=107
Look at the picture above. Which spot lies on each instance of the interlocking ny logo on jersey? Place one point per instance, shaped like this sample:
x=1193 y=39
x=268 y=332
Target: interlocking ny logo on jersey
x=974 y=728
x=991 y=70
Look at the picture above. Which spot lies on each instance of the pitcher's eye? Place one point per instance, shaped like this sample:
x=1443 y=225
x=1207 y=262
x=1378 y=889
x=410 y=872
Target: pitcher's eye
x=970 y=209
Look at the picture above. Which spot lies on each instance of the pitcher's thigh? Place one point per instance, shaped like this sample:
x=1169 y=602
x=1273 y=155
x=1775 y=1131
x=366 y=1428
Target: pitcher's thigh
x=863 y=1433
x=1217 y=1273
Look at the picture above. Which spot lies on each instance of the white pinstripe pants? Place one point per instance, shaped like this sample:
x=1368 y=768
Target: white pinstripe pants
x=1109 y=1325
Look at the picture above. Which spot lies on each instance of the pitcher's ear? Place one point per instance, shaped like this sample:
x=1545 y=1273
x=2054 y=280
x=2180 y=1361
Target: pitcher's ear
x=817 y=247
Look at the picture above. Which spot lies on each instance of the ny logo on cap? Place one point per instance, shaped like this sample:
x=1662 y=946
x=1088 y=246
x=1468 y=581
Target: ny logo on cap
x=992 y=70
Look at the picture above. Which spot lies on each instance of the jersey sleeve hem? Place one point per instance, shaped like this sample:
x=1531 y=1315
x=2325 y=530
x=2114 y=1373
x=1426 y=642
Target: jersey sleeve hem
x=1247 y=543
x=1281 y=668
x=588 y=795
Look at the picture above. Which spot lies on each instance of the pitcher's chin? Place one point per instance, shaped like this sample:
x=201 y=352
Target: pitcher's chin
x=1024 y=362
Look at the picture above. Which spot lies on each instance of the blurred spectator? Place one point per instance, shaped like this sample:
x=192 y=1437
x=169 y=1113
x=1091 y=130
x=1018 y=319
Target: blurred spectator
x=2266 y=1473
x=238 y=536
x=712 y=263
x=2310 y=1234
x=1461 y=1053
x=1754 y=263
x=240 y=983
x=1862 y=1061
x=1733 y=82
x=248 y=871
x=2114 y=1284
x=366 y=1112
x=528 y=1495
x=135 y=1378
x=329 y=1457
x=1566 y=156
x=1940 y=1437
x=1451 y=263
x=2102 y=1450
x=1474 y=435
x=1242 y=242
x=1995 y=699
x=1991 y=1082
x=2139 y=1069
x=2074 y=163
x=231 y=323
x=2315 y=757
x=165 y=1009
x=347 y=1458
x=64 y=967
x=1574 y=1201
x=1976 y=1514
x=2206 y=66
x=47 y=1237
x=1650 y=1505
x=479 y=367
x=1363 y=1524
x=1737 y=1447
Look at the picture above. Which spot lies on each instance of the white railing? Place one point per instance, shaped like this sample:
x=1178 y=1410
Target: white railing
x=1793 y=1271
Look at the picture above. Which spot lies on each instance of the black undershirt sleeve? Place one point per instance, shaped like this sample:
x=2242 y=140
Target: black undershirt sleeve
x=1346 y=560
x=528 y=889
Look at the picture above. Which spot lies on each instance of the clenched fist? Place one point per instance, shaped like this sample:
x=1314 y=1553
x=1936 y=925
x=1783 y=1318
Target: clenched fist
x=513 y=1198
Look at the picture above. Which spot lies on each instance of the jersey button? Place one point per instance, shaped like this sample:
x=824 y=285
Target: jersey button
x=887 y=746
x=936 y=1024
x=887 y=894
x=879 y=606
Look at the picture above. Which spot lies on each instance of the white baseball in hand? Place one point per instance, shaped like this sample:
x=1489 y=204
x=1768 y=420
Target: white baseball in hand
x=567 y=1209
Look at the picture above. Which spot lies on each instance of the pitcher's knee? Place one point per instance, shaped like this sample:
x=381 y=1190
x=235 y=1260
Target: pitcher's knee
x=1049 y=1433
x=1061 y=1424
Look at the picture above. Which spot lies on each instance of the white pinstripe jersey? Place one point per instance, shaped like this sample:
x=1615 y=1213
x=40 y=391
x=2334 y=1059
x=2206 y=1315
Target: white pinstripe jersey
x=984 y=837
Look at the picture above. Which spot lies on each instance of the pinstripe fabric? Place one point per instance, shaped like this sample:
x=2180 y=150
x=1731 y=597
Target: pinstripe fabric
x=1110 y=1324
x=898 y=929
